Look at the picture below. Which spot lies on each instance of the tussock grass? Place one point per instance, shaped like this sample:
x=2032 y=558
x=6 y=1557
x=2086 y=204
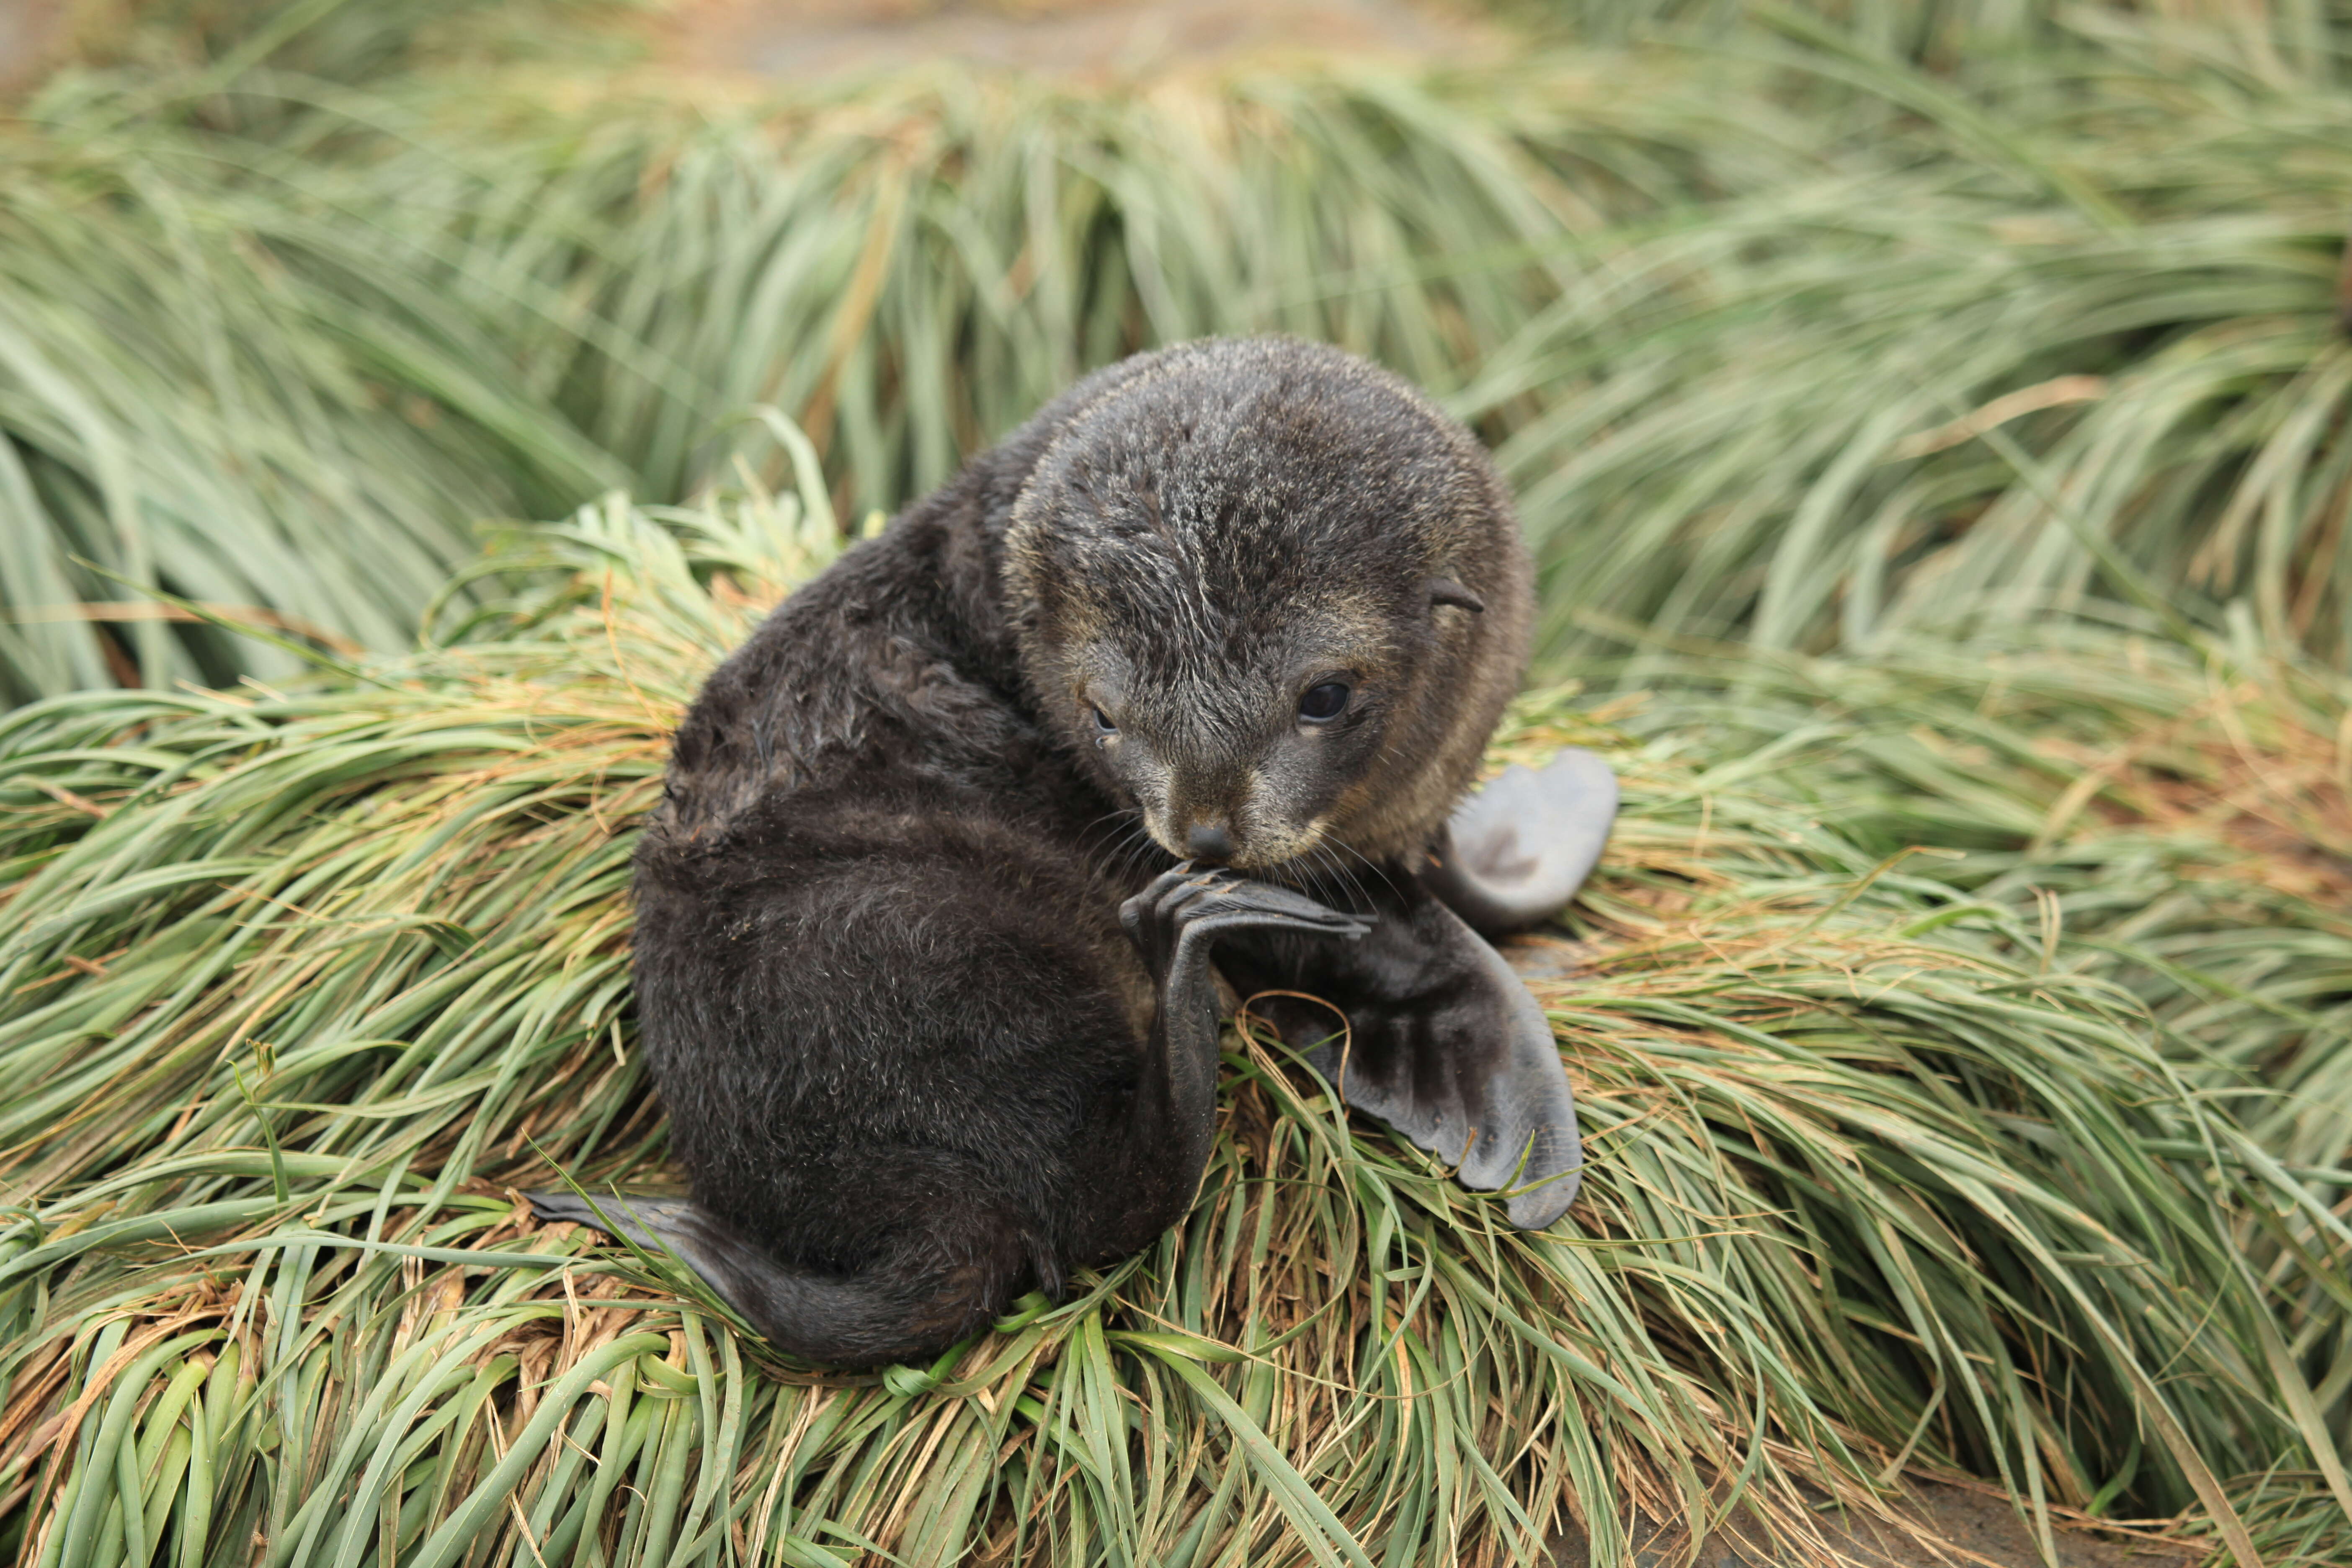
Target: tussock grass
x=1937 y=407
x=230 y=368
x=2031 y=356
x=2179 y=809
x=1793 y=325
x=283 y=335
x=2176 y=815
x=286 y=346
x=304 y=983
x=2284 y=35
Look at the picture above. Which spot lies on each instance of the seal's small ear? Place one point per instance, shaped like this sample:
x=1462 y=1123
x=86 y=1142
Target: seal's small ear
x=1446 y=590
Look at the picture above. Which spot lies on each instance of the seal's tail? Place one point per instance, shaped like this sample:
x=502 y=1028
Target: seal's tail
x=946 y=1280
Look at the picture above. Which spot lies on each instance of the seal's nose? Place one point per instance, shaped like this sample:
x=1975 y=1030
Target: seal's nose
x=1209 y=841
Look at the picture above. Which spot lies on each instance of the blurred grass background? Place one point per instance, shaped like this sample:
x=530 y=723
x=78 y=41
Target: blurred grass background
x=1931 y=423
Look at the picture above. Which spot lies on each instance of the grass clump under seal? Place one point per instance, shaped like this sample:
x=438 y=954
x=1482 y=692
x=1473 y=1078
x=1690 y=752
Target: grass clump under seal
x=299 y=986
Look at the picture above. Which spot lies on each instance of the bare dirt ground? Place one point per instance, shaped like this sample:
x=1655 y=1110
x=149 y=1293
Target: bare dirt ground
x=816 y=39
x=1981 y=1532
x=31 y=34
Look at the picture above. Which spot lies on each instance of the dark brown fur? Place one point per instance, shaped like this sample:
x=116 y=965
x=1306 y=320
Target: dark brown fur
x=906 y=1049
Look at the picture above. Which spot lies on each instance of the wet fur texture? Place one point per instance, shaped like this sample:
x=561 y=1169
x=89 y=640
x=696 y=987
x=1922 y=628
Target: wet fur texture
x=906 y=1047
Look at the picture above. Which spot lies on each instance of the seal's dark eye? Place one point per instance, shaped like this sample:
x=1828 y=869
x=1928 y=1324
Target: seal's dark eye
x=1326 y=701
x=1103 y=726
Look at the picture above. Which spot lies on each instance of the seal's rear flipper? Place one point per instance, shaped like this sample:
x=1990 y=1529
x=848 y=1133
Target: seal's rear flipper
x=1517 y=850
x=728 y=1264
x=940 y=1282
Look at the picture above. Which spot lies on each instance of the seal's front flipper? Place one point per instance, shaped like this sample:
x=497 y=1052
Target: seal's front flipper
x=1516 y=851
x=1174 y=924
x=1443 y=1044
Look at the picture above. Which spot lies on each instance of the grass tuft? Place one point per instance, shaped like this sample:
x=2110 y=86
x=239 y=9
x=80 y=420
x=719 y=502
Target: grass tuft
x=1793 y=325
x=1887 y=1179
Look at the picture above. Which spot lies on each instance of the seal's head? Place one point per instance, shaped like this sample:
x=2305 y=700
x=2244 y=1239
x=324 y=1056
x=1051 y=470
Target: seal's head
x=1272 y=595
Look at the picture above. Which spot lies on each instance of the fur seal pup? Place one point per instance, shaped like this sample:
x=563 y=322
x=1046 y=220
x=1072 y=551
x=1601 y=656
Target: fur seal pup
x=927 y=1027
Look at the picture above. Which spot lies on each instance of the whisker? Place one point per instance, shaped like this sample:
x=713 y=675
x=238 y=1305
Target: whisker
x=1137 y=849
x=1088 y=831
x=1374 y=866
x=1319 y=867
x=1122 y=858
